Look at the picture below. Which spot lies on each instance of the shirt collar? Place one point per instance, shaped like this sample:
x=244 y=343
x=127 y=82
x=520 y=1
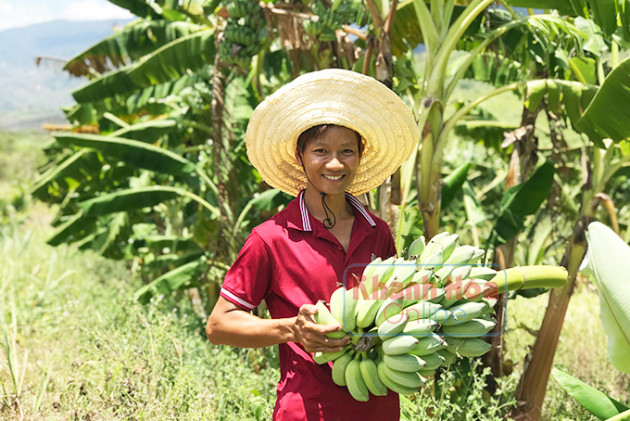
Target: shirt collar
x=306 y=223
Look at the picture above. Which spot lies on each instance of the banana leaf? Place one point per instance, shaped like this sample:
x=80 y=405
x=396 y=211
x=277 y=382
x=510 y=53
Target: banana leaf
x=606 y=115
x=410 y=227
x=171 y=242
x=453 y=184
x=68 y=166
x=170 y=261
x=406 y=33
x=522 y=200
x=130 y=151
x=269 y=200
x=605 y=265
x=132 y=42
x=597 y=403
x=168 y=63
x=75 y=228
x=130 y=199
x=175 y=280
x=144 y=101
x=147 y=132
x=141 y=8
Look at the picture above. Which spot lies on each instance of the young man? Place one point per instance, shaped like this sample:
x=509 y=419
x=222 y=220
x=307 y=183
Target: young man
x=324 y=137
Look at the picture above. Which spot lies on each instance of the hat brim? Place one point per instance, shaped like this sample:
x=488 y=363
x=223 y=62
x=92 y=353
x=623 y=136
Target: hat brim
x=332 y=96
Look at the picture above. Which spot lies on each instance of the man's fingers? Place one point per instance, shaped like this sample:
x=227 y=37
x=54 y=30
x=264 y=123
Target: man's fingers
x=309 y=309
x=317 y=340
x=326 y=349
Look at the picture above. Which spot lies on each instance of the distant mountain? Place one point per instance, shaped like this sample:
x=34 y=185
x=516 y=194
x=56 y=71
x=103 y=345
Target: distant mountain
x=31 y=94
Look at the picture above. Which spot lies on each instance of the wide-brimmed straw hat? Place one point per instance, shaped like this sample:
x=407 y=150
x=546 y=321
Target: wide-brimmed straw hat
x=332 y=96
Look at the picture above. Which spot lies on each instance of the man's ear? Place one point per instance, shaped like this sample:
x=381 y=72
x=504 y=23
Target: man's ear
x=298 y=156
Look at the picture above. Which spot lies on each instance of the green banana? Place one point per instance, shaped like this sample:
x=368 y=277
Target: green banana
x=404 y=362
x=416 y=247
x=369 y=372
x=391 y=384
x=474 y=327
x=449 y=357
x=369 y=270
x=422 y=276
x=399 y=344
x=432 y=361
x=403 y=272
x=473 y=347
x=339 y=368
x=464 y=312
x=390 y=307
x=433 y=261
x=428 y=345
x=420 y=327
x=354 y=380
x=441 y=315
x=435 y=294
x=421 y=310
x=432 y=247
x=324 y=317
x=337 y=303
x=367 y=309
x=462 y=255
x=482 y=272
x=443 y=273
x=448 y=243
x=377 y=278
x=392 y=326
x=408 y=379
x=427 y=372
x=414 y=293
x=343 y=305
x=326 y=357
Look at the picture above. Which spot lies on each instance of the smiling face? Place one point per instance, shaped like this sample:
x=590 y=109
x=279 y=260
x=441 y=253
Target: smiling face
x=331 y=159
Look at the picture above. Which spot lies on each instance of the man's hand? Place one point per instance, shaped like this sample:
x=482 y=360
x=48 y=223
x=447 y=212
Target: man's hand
x=312 y=335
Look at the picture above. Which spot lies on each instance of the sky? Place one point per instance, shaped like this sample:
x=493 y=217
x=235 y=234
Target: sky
x=28 y=12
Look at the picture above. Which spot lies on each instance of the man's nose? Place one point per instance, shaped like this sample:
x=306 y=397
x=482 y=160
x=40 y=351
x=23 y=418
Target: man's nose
x=334 y=162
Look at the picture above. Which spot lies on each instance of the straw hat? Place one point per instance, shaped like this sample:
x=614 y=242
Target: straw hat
x=332 y=96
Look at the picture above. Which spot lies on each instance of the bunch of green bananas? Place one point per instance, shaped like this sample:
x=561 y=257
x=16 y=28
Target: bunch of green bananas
x=325 y=22
x=243 y=34
x=409 y=317
x=241 y=8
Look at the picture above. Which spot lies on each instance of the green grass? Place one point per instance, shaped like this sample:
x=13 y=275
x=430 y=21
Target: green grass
x=79 y=348
x=582 y=350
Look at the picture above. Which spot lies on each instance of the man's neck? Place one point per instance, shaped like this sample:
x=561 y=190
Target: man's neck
x=337 y=204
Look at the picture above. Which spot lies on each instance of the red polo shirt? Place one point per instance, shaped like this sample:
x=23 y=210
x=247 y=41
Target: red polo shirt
x=291 y=260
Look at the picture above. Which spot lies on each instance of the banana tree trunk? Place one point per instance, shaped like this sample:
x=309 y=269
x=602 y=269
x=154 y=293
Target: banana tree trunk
x=384 y=71
x=429 y=174
x=522 y=163
x=533 y=383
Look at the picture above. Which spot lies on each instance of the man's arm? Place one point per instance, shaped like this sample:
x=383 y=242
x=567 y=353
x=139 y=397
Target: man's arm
x=230 y=325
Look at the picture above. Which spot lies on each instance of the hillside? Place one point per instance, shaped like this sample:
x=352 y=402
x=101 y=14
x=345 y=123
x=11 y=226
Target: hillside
x=34 y=94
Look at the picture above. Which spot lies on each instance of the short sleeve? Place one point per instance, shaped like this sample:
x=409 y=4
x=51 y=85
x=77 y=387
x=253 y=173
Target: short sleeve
x=249 y=278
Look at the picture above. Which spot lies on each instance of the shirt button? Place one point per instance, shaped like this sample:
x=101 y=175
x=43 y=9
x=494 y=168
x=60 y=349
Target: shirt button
x=339 y=248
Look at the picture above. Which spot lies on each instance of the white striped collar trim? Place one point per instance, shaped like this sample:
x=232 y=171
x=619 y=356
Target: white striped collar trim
x=233 y=297
x=306 y=223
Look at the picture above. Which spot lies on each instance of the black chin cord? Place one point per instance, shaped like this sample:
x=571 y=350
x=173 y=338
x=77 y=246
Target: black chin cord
x=328 y=223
